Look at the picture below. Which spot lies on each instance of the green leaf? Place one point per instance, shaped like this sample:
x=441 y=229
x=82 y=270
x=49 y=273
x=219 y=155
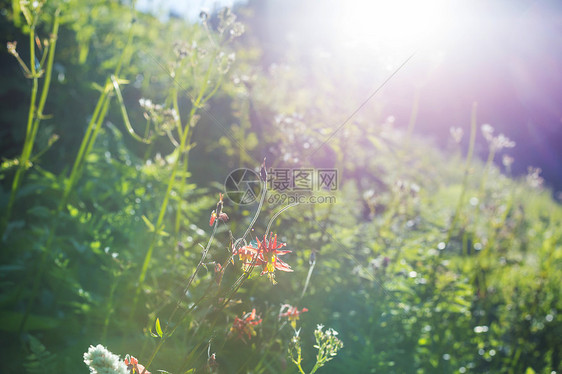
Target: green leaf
x=158 y=328
x=148 y=224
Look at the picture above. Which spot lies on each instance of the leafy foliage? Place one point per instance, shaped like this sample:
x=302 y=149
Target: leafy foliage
x=423 y=261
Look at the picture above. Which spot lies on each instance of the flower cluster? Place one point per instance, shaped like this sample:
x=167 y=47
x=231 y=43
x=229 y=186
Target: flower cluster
x=456 y=134
x=264 y=253
x=327 y=344
x=164 y=119
x=134 y=366
x=533 y=177
x=496 y=143
x=507 y=161
x=228 y=24
x=102 y=361
x=292 y=313
x=245 y=326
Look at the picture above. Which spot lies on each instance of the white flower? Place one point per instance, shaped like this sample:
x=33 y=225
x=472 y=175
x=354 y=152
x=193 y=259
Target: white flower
x=533 y=177
x=456 y=134
x=102 y=361
x=501 y=141
x=487 y=131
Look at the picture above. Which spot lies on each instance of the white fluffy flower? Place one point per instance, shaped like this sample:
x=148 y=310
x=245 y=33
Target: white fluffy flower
x=102 y=361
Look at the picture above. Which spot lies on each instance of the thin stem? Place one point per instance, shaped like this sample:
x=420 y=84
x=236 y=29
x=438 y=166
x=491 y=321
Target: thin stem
x=308 y=278
x=28 y=145
x=414 y=114
x=182 y=148
x=466 y=171
x=124 y=113
x=87 y=143
x=34 y=114
x=277 y=215
x=110 y=307
x=491 y=155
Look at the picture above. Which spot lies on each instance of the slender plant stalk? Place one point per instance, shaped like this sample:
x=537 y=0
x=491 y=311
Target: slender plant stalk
x=124 y=113
x=466 y=171
x=414 y=114
x=110 y=305
x=310 y=270
x=35 y=113
x=92 y=131
x=487 y=166
x=233 y=290
x=160 y=220
x=205 y=252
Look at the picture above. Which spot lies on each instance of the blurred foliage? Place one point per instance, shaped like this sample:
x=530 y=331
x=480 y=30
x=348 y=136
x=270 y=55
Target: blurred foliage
x=382 y=270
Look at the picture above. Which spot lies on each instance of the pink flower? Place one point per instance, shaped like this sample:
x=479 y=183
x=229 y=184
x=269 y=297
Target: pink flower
x=292 y=313
x=264 y=253
x=134 y=366
x=245 y=325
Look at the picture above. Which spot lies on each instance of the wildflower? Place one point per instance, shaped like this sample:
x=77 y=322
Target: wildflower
x=501 y=141
x=496 y=143
x=292 y=313
x=264 y=253
x=219 y=271
x=456 y=134
x=11 y=46
x=181 y=49
x=327 y=344
x=222 y=216
x=246 y=255
x=226 y=19
x=237 y=29
x=487 y=131
x=245 y=325
x=134 y=367
x=212 y=362
x=218 y=213
x=533 y=177
x=100 y=361
x=146 y=103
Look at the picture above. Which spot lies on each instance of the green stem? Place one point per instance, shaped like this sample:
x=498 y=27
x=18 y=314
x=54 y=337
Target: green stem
x=181 y=149
x=87 y=143
x=466 y=171
x=124 y=112
x=487 y=166
x=414 y=114
x=110 y=307
x=316 y=367
x=27 y=145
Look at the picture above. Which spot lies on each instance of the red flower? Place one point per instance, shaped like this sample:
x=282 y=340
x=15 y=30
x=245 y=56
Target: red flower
x=223 y=217
x=292 y=313
x=220 y=215
x=245 y=325
x=265 y=255
x=134 y=367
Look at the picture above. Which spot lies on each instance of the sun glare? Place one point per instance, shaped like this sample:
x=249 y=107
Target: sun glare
x=401 y=25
